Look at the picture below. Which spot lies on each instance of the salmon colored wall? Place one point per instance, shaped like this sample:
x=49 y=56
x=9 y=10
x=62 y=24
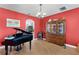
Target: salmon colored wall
x=5 y=31
x=72 y=25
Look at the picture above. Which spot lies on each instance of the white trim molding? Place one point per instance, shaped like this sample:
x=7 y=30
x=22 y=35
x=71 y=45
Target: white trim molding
x=1 y=47
x=72 y=46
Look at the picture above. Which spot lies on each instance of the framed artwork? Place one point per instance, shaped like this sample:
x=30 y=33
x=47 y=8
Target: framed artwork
x=12 y=23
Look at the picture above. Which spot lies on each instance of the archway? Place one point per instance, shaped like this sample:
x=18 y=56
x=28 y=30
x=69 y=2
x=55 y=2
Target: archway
x=30 y=25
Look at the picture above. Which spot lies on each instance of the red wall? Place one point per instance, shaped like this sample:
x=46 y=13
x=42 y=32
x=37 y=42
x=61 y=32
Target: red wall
x=5 y=31
x=72 y=21
x=72 y=25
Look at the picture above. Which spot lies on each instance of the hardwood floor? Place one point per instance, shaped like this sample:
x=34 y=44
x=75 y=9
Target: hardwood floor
x=40 y=47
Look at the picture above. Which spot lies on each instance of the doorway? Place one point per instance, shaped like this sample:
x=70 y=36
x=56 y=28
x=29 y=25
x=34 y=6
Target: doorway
x=30 y=26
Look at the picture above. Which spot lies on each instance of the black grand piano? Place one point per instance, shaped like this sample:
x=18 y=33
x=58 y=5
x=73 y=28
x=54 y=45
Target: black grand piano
x=17 y=40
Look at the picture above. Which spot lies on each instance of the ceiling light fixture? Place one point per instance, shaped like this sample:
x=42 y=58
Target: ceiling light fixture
x=41 y=14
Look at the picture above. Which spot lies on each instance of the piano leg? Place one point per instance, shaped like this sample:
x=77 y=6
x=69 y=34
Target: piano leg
x=6 y=49
x=30 y=44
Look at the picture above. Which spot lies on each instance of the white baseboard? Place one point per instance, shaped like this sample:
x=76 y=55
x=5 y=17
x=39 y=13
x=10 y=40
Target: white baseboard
x=72 y=46
x=34 y=38
x=1 y=47
x=40 y=39
x=44 y=38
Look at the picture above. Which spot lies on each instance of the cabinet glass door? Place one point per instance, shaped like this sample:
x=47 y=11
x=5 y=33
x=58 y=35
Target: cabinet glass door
x=54 y=28
x=48 y=27
x=61 y=28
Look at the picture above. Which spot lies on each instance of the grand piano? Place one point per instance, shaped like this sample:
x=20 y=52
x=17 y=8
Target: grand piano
x=17 y=40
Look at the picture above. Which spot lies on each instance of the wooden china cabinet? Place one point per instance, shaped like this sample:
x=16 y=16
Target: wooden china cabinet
x=56 y=32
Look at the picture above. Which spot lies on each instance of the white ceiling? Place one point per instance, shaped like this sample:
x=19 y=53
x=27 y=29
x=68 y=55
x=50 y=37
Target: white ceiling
x=33 y=9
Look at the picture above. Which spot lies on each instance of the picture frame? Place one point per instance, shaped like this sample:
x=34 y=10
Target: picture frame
x=12 y=22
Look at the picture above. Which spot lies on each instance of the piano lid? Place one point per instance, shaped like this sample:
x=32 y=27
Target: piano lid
x=22 y=30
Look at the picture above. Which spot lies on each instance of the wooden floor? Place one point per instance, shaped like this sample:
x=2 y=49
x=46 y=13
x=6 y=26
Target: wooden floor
x=40 y=47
